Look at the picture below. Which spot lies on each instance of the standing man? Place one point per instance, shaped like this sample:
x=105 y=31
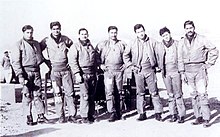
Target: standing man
x=168 y=64
x=139 y=56
x=82 y=59
x=111 y=55
x=57 y=47
x=196 y=55
x=6 y=64
x=26 y=60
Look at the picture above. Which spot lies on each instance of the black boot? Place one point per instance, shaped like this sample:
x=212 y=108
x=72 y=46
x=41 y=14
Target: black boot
x=91 y=119
x=113 y=117
x=158 y=117
x=85 y=120
x=198 y=121
x=173 y=118
x=42 y=119
x=72 y=119
x=206 y=124
x=142 y=117
x=62 y=119
x=30 y=120
x=181 y=120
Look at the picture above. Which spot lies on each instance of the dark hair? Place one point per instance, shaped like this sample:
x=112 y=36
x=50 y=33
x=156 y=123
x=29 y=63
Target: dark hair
x=5 y=52
x=112 y=27
x=26 y=27
x=138 y=26
x=163 y=30
x=189 y=22
x=55 y=23
x=83 y=29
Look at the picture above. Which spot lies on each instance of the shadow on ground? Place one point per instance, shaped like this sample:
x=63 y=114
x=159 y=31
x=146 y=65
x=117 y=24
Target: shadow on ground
x=34 y=133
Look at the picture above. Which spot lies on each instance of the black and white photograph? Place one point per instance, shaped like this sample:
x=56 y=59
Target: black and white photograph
x=109 y=68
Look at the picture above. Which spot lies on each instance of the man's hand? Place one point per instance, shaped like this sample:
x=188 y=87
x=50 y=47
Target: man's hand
x=135 y=69
x=207 y=66
x=21 y=80
x=58 y=99
x=78 y=78
x=103 y=67
x=184 y=78
x=122 y=68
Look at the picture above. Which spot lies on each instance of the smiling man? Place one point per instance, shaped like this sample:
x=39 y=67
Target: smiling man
x=57 y=47
x=139 y=56
x=26 y=60
x=111 y=62
x=82 y=59
x=167 y=61
x=196 y=55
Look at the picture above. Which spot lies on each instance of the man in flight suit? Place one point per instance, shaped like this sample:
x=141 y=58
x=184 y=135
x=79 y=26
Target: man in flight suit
x=139 y=56
x=26 y=60
x=167 y=63
x=111 y=56
x=196 y=55
x=82 y=59
x=57 y=46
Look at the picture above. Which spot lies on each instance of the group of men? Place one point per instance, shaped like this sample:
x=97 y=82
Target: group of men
x=78 y=62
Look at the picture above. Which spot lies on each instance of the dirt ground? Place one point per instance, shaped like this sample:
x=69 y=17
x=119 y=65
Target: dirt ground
x=12 y=121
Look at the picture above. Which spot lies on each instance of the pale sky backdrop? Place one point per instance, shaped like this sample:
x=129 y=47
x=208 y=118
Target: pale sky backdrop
x=97 y=15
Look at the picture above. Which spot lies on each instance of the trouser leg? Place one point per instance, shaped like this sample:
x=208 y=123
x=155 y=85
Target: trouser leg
x=172 y=105
x=26 y=101
x=171 y=100
x=177 y=90
x=205 y=109
x=92 y=86
x=37 y=100
x=69 y=92
x=152 y=85
x=56 y=84
x=118 y=91
x=109 y=90
x=140 y=93
x=70 y=104
x=84 y=97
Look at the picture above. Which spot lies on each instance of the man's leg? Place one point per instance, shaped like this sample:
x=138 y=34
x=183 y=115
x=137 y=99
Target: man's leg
x=191 y=86
x=152 y=85
x=27 y=105
x=171 y=101
x=139 y=79
x=58 y=95
x=37 y=98
x=109 y=90
x=177 y=89
x=119 y=85
x=69 y=95
x=92 y=86
x=204 y=103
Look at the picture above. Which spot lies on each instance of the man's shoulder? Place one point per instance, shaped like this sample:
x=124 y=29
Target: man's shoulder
x=64 y=37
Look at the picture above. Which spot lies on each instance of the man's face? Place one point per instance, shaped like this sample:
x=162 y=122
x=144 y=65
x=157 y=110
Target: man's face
x=83 y=35
x=190 y=30
x=6 y=54
x=55 y=30
x=28 y=34
x=113 y=34
x=166 y=36
x=140 y=33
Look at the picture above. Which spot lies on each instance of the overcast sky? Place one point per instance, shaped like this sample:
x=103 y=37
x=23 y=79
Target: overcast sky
x=97 y=15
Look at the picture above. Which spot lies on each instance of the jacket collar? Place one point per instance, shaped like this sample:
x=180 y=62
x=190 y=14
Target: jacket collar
x=85 y=43
x=190 y=39
x=56 y=39
x=146 y=38
x=31 y=41
x=169 y=43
